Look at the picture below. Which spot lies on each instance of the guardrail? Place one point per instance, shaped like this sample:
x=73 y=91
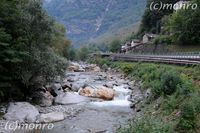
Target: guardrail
x=191 y=58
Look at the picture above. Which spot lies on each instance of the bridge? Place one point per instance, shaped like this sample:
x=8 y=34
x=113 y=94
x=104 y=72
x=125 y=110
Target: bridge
x=182 y=58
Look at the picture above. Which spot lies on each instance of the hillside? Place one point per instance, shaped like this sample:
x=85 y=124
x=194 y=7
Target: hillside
x=86 y=20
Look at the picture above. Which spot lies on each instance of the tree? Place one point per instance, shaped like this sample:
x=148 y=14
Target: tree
x=151 y=19
x=185 y=26
x=59 y=43
x=115 y=46
x=83 y=53
x=30 y=43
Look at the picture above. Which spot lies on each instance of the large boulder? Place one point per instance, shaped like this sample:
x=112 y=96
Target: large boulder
x=51 y=117
x=105 y=93
x=70 y=98
x=101 y=92
x=22 y=112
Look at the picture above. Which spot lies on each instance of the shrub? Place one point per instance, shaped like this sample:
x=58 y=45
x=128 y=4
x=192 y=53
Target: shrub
x=147 y=124
x=187 y=121
x=170 y=103
x=49 y=65
x=169 y=82
x=127 y=69
x=162 y=39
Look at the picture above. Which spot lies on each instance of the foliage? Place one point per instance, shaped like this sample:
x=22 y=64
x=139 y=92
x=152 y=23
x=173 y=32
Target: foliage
x=115 y=46
x=30 y=42
x=147 y=124
x=71 y=55
x=170 y=103
x=189 y=114
x=83 y=53
x=174 y=92
x=169 y=82
x=162 y=39
x=184 y=25
x=151 y=20
x=127 y=68
x=59 y=42
x=187 y=117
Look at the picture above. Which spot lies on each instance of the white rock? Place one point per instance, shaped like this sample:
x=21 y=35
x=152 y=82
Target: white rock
x=22 y=112
x=51 y=117
x=70 y=98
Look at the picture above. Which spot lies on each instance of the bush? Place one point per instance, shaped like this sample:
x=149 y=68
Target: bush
x=187 y=121
x=127 y=69
x=162 y=39
x=189 y=112
x=170 y=104
x=115 y=46
x=49 y=65
x=169 y=82
x=147 y=124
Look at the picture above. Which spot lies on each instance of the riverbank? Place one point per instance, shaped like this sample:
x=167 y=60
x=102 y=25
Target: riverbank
x=173 y=105
x=88 y=99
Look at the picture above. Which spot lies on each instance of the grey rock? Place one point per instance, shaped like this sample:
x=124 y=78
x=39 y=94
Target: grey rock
x=57 y=88
x=136 y=97
x=147 y=93
x=22 y=112
x=43 y=99
x=51 y=117
x=70 y=98
x=76 y=86
x=109 y=85
x=66 y=84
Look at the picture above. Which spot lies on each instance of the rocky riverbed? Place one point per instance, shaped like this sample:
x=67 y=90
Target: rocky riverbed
x=87 y=100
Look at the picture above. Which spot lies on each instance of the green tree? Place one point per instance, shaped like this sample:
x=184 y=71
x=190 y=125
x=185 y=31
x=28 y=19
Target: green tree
x=185 y=26
x=83 y=53
x=29 y=46
x=151 y=20
x=59 y=43
x=115 y=46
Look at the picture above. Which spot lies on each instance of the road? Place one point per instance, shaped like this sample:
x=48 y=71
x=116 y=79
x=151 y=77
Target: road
x=173 y=58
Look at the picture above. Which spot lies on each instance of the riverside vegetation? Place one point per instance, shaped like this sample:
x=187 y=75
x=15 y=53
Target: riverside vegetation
x=173 y=105
x=32 y=45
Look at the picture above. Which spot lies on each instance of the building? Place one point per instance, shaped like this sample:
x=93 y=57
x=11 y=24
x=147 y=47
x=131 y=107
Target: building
x=128 y=46
x=148 y=37
x=135 y=43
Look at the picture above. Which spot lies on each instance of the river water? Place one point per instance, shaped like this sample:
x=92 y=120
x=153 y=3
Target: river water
x=96 y=115
x=99 y=116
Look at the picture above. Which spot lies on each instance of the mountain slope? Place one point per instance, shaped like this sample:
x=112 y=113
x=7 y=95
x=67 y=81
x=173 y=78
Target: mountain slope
x=87 y=19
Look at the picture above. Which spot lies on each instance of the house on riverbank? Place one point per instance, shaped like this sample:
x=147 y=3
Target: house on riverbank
x=148 y=38
x=131 y=45
x=128 y=46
